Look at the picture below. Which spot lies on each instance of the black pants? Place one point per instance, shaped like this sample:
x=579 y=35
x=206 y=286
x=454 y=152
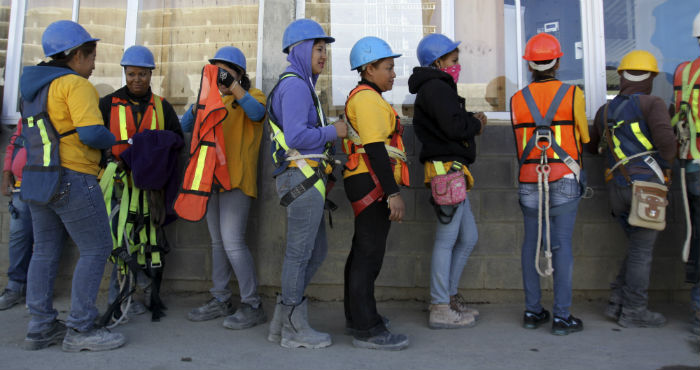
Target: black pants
x=365 y=259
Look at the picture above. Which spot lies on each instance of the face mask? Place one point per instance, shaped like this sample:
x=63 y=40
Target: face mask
x=453 y=71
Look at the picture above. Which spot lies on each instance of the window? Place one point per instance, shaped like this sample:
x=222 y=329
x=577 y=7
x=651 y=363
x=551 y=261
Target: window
x=661 y=27
x=184 y=37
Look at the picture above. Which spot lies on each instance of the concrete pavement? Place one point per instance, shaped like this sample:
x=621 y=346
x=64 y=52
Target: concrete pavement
x=496 y=342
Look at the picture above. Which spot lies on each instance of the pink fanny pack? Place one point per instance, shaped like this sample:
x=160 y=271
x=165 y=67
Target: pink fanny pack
x=448 y=188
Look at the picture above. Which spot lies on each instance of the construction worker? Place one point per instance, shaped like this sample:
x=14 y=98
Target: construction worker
x=130 y=110
x=446 y=131
x=375 y=169
x=634 y=132
x=227 y=211
x=21 y=239
x=549 y=123
x=302 y=145
x=60 y=108
x=687 y=125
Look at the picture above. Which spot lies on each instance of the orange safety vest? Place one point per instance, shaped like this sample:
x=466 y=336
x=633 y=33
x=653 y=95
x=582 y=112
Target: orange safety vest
x=693 y=99
x=562 y=128
x=351 y=149
x=207 y=162
x=122 y=125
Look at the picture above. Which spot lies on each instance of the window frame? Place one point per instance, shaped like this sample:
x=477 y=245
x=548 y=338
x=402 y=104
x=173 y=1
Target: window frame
x=15 y=37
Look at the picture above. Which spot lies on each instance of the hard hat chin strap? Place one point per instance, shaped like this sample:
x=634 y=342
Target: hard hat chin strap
x=542 y=67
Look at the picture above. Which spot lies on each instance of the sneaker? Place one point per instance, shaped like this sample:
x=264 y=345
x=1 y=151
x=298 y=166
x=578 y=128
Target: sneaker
x=211 y=310
x=612 y=311
x=533 y=320
x=48 y=337
x=385 y=341
x=562 y=326
x=9 y=298
x=458 y=303
x=641 y=319
x=245 y=317
x=349 y=330
x=97 y=339
x=442 y=316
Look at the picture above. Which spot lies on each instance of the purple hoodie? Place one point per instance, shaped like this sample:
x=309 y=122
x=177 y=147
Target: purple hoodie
x=293 y=105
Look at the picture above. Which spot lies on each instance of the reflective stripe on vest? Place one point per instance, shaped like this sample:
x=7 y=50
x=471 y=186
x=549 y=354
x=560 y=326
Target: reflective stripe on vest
x=207 y=163
x=558 y=123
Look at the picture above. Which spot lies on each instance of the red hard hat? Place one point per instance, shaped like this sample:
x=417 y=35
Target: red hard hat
x=542 y=46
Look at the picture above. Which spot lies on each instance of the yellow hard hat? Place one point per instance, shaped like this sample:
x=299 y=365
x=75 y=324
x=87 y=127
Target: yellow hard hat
x=638 y=60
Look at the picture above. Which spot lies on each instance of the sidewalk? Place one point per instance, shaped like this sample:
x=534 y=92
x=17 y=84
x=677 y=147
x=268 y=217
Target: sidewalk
x=496 y=342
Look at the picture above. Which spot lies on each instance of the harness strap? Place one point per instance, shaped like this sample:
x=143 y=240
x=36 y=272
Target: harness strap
x=374 y=195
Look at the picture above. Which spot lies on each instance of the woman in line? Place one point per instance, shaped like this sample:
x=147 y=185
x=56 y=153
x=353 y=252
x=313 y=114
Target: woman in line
x=549 y=116
x=227 y=211
x=447 y=132
x=376 y=167
x=63 y=194
x=302 y=144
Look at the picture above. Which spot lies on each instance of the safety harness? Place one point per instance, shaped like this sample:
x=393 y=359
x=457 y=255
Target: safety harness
x=138 y=241
x=352 y=146
x=41 y=175
x=542 y=140
x=122 y=112
x=687 y=125
x=283 y=155
x=206 y=166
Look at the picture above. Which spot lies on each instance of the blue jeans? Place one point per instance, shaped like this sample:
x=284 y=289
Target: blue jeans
x=306 y=237
x=454 y=243
x=227 y=218
x=78 y=209
x=561 y=227
x=20 y=244
x=695 y=297
x=693 y=191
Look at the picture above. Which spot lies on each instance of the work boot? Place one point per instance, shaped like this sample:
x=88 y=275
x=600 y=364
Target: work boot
x=459 y=304
x=349 y=330
x=211 y=310
x=532 y=320
x=52 y=335
x=96 y=339
x=612 y=310
x=9 y=298
x=296 y=331
x=641 y=318
x=274 y=333
x=442 y=316
x=385 y=341
x=566 y=326
x=245 y=317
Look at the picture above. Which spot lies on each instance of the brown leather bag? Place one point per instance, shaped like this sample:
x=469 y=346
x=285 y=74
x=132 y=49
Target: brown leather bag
x=648 y=207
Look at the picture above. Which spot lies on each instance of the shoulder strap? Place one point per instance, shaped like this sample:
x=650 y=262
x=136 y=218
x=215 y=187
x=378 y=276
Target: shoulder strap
x=607 y=135
x=317 y=104
x=158 y=106
x=553 y=106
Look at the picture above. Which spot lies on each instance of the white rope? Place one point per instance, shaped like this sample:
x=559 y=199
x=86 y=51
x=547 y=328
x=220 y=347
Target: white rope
x=688 y=226
x=543 y=182
x=124 y=280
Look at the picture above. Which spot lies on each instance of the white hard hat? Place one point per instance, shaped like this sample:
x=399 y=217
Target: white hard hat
x=696 y=26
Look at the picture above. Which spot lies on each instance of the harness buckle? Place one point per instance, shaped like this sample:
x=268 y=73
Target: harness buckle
x=543 y=136
x=543 y=169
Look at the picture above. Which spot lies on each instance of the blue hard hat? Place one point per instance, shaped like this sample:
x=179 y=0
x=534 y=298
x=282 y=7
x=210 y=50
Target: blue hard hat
x=369 y=49
x=303 y=29
x=138 y=56
x=433 y=46
x=230 y=54
x=63 y=35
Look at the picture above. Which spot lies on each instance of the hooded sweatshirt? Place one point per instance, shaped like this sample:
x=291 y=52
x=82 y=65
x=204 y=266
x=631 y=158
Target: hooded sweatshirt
x=655 y=114
x=440 y=120
x=293 y=105
x=72 y=104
